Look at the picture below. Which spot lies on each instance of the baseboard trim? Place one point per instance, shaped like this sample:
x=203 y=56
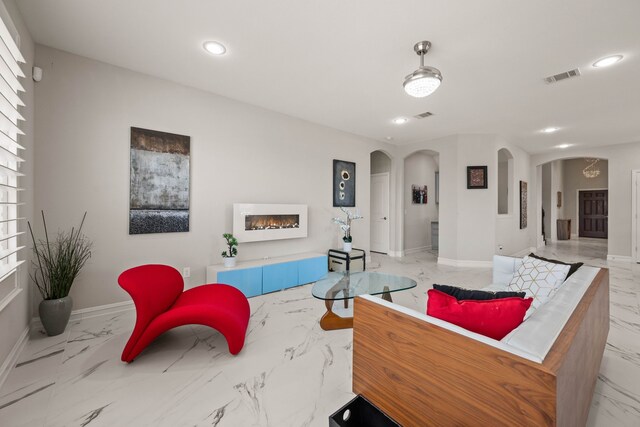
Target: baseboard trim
x=89 y=312
x=396 y=254
x=523 y=252
x=621 y=258
x=12 y=357
x=416 y=250
x=465 y=263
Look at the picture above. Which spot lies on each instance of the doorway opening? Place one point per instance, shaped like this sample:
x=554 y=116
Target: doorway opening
x=421 y=202
x=575 y=198
x=380 y=212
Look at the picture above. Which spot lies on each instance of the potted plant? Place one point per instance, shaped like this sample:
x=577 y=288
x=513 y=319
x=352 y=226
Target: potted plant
x=57 y=263
x=230 y=254
x=345 y=226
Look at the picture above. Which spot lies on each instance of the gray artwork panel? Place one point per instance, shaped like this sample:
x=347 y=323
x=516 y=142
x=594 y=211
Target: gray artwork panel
x=159 y=182
x=344 y=184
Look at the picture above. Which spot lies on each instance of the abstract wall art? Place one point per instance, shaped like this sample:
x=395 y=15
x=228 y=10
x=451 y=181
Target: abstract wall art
x=159 y=182
x=419 y=194
x=523 y=204
x=344 y=184
x=476 y=177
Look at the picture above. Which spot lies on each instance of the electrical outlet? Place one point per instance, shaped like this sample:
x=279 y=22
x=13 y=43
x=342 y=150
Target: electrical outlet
x=186 y=272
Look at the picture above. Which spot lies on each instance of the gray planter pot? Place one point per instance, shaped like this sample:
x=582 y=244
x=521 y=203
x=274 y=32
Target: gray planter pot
x=54 y=314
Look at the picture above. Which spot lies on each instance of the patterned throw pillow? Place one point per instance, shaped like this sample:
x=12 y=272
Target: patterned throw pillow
x=539 y=279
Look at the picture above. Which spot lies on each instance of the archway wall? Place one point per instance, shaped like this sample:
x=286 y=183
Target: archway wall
x=622 y=160
x=510 y=239
x=467 y=218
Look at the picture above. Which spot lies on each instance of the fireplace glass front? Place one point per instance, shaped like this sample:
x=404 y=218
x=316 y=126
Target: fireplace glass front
x=271 y=222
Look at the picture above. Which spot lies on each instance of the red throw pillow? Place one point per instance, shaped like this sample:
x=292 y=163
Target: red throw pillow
x=491 y=318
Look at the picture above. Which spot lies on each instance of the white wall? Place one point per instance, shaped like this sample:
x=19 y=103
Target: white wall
x=468 y=224
x=419 y=169
x=552 y=179
x=507 y=229
x=239 y=153
x=623 y=158
x=15 y=317
x=546 y=200
x=574 y=180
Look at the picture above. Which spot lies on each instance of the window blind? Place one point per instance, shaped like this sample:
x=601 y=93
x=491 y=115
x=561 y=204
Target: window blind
x=11 y=253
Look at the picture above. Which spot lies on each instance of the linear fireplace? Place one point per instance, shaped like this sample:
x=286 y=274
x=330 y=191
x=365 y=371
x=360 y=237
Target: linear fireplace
x=257 y=222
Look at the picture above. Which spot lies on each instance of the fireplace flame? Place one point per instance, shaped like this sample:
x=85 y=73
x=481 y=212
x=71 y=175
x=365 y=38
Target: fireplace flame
x=271 y=222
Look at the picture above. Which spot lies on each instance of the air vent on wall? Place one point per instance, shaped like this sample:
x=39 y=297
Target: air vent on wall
x=423 y=115
x=563 y=76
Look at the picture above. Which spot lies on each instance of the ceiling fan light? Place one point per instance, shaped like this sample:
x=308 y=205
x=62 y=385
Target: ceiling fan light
x=422 y=82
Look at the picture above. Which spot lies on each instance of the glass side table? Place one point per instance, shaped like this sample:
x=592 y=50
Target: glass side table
x=346 y=286
x=342 y=261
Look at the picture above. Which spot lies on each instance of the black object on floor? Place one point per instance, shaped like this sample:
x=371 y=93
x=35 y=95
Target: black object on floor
x=359 y=412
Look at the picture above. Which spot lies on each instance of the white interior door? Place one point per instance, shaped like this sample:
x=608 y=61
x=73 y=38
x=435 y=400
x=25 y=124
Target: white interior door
x=380 y=212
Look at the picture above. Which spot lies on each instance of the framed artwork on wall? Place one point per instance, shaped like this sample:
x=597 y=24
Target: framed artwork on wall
x=437 y=187
x=419 y=194
x=476 y=177
x=344 y=184
x=159 y=182
x=523 y=204
x=559 y=199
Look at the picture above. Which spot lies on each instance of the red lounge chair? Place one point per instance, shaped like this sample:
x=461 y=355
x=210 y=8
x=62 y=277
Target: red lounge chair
x=161 y=304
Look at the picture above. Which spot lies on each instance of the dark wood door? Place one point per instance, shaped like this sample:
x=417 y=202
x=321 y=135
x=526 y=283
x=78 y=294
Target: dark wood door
x=593 y=213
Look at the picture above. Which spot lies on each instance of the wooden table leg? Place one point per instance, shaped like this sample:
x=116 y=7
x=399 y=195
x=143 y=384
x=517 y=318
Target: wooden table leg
x=386 y=295
x=331 y=321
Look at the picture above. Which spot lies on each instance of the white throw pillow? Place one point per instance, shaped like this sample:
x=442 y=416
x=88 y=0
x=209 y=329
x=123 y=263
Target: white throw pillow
x=539 y=279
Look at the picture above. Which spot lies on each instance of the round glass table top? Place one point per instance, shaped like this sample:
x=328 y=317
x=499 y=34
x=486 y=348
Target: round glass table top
x=340 y=286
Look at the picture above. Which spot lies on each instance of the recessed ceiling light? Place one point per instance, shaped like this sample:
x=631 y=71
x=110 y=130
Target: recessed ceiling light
x=400 y=120
x=214 y=48
x=389 y=138
x=550 y=130
x=609 y=60
x=563 y=146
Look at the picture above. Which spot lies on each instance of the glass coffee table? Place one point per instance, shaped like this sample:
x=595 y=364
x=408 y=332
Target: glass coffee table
x=345 y=286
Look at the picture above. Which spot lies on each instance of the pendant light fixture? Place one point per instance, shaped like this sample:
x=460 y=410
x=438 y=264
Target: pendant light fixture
x=425 y=80
x=592 y=170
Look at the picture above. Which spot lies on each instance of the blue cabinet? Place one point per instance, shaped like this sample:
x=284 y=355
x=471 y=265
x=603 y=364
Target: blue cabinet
x=274 y=274
x=276 y=277
x=312 y=269
x=248 y=280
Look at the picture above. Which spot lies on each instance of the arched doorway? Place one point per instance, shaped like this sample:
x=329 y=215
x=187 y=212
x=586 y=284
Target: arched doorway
x=421 y=202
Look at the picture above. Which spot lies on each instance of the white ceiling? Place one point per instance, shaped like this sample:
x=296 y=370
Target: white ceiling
x=342 y=63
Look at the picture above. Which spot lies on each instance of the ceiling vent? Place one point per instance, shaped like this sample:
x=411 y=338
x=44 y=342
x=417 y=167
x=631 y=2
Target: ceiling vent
x=563 y=76
x=423 y=115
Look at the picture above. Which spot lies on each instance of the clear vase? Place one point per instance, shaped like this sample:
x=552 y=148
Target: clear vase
x=346 y=246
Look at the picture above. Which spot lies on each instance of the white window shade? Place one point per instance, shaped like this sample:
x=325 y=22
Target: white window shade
x=11 y=74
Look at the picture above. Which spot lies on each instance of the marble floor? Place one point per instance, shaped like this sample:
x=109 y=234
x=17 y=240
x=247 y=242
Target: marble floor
x=290 y=372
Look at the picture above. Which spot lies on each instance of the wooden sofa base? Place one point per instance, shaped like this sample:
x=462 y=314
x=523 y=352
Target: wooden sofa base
x=421 y=374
